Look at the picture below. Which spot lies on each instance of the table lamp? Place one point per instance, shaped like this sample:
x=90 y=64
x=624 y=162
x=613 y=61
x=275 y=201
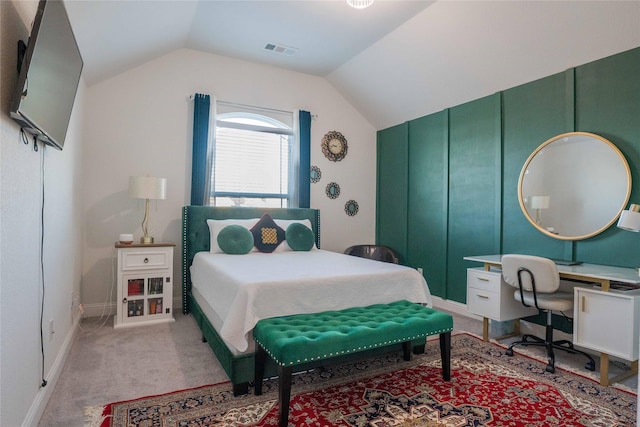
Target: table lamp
x=537 y=203
x=147 y=187
x=630 y=219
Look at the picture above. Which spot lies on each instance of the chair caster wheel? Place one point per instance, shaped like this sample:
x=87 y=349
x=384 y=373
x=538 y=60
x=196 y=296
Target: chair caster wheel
x=550 y=368
x=509 y=352
x=590 y=366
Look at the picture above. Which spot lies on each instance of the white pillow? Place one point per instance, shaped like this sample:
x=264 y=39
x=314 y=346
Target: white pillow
x=216 y=225
x=284 y=223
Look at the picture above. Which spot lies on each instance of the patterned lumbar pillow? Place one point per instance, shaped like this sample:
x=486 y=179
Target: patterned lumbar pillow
x=299 y=237
x=235 y=240
x=267 y=235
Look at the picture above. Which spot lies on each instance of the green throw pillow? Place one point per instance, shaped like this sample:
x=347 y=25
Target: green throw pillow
x=299 y=237
x=235 y=240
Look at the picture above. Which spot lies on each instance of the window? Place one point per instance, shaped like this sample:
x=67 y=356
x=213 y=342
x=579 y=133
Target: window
x=253 y=158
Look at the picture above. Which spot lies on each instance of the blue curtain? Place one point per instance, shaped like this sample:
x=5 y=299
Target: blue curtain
x=305 y=159
x=201 y=107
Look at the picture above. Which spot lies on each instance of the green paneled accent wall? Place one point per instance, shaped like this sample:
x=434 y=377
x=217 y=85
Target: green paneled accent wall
x=531 y=114
x=447 y=182
x=392 y=181
x=428 y=199
x=474 y=188
x=608 y=104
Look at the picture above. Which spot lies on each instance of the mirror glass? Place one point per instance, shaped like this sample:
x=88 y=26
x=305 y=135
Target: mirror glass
x=574 y=186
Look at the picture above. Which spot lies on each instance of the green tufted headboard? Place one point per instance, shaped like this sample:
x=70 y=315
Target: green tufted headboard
x=195 y=231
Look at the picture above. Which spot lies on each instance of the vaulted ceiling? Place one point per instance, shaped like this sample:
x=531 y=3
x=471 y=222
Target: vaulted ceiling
x=394 y=61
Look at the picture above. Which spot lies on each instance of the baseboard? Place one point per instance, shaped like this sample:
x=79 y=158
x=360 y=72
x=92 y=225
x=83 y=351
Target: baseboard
x=99 y=309
x=44 y=394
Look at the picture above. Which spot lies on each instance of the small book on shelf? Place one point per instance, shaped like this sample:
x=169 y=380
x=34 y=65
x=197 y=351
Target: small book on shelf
x=136 y=287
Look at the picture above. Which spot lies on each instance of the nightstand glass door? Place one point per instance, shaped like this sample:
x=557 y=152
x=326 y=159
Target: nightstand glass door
x=145 y=296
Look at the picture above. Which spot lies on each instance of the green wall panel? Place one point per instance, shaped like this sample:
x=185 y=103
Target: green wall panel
x=391 y=203
x=531 y=114
x=608 y=104
x=474 y=188
x=428 y=184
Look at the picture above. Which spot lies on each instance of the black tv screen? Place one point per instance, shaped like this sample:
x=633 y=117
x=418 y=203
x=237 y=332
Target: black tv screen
x=49 y=76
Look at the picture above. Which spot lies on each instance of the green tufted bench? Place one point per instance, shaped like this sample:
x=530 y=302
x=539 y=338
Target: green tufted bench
x=301 y=338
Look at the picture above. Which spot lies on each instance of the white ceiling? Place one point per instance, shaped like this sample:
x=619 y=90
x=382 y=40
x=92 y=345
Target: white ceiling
x=114 y=35
x=394 y=61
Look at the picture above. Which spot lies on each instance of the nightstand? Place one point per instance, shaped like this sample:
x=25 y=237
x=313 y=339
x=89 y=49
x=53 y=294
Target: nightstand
x=145 y=284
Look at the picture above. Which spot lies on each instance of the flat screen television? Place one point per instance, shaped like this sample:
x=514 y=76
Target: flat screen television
x=49 y=76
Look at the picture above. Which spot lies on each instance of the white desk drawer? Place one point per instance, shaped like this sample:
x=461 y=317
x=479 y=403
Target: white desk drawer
x=151 y=259
x=489 y=296
x=483 y=303
x=482 y=279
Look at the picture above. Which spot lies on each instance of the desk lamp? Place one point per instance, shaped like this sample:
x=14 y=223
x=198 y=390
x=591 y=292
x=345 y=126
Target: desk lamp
x=537 y=203
x=630 y=219
x=147 y=187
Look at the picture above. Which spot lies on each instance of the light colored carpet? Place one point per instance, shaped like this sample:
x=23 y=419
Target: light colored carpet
x=107 y=365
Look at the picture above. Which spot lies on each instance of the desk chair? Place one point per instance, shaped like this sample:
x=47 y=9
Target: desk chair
x=377 y=252
x=536 y=281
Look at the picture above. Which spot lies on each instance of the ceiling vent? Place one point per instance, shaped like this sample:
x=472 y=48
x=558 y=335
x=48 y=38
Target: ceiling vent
x=281 y=49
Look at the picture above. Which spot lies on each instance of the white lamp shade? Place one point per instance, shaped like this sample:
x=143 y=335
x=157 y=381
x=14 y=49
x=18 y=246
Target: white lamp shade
x=630 y=219
x=539 y=202
x=147 y=187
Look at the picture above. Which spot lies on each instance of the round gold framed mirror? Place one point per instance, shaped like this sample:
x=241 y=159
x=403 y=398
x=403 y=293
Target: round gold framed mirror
x=574 y=186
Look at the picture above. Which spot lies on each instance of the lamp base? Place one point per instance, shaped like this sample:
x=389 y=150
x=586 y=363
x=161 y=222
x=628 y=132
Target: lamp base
x=146 y=239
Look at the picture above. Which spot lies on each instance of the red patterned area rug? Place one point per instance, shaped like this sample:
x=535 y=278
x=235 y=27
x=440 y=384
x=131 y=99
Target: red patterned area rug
x=487 y=388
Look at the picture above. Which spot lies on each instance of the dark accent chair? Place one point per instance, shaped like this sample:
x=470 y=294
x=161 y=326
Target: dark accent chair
x=377 y=252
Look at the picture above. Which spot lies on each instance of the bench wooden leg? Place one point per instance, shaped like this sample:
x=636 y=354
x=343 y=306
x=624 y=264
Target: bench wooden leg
x=284 y=394
x=240 y=389
x=445 y=355
x=260 y=360
x=406 y=350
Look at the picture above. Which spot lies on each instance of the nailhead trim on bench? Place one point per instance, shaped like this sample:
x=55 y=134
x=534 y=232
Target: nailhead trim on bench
x=355 y=350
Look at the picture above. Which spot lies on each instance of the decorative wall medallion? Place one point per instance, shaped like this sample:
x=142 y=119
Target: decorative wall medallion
x=316 y=174
x=332 y=190
x=351 y=207
x=334 y=146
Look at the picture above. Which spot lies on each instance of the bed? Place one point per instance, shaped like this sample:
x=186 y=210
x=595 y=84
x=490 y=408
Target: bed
x=227 y=294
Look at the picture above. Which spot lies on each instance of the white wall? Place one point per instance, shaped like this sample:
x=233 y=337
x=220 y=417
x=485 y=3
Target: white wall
x=21 y=179
x=140 y=122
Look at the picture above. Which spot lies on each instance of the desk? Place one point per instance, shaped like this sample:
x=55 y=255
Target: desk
x=594 y=273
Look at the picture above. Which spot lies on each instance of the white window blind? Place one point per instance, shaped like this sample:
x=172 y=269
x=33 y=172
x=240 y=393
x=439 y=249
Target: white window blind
x=252 y=158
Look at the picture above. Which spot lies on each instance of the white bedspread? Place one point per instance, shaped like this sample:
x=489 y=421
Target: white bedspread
x=243 y=289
